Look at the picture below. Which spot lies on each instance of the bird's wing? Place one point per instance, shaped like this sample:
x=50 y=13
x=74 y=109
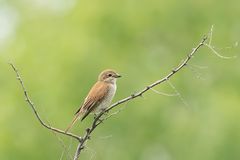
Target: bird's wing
x=95 y=96
x=89 y=110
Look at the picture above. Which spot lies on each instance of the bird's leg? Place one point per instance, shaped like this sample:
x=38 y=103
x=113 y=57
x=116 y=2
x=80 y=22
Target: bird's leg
x=96 y=114
x=102 y=110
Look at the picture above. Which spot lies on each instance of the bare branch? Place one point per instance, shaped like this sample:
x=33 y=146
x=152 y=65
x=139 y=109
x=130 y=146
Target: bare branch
x=174 y=71
x=178 y=93
x=99 y=118
x=28 y=100
x=165 y=94
x=210 y=34
x=218 y=54
x=211 y=47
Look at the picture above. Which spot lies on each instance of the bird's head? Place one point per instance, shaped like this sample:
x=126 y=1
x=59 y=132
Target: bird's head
x=109 y=76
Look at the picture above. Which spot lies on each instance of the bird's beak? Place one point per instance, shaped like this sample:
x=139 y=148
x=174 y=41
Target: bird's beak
x=117 y=76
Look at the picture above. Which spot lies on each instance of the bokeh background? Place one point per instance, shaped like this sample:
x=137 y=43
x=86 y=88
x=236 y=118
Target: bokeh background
x=60 y=46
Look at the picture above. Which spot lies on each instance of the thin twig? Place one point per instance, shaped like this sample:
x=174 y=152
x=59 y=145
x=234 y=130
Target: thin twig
x=210 y=35
x=28 y=100
x=165 y=94
x=211 y=47
x=217 y=54
x=178 y=93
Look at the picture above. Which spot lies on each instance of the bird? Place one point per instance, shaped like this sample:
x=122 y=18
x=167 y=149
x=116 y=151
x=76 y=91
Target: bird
x=99 y=96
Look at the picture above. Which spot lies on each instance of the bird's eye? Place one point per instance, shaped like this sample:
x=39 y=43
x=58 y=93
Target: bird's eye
x=109 y=75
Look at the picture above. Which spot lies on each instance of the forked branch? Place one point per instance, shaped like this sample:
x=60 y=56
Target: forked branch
x=100 y=117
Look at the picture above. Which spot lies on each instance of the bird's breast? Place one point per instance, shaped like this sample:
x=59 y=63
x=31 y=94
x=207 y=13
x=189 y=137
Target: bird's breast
x=108 y=98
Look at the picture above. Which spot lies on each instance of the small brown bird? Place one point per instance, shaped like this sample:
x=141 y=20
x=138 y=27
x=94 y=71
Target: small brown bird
x=99 y=97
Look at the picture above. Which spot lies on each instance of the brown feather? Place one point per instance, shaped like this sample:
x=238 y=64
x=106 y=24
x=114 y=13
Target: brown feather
x=95 y=96
x=73 y=122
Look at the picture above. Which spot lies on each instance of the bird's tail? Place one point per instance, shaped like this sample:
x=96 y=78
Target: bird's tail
x=73 y=122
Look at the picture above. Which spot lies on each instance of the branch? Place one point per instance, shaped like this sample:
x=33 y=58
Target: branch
x=30 y=103
x=98 y=120
x=212 y=48
x=167 y=77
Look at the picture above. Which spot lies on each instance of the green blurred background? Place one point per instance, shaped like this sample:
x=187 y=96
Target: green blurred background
x=60 y=46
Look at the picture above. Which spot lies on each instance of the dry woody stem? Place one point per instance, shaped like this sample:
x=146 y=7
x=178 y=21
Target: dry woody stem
x=100 y=117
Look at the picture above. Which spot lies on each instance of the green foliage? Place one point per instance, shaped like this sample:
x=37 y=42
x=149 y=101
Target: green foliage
x=61 y=46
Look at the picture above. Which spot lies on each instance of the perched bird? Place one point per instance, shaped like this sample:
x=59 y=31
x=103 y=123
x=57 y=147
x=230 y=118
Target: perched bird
x=99 y=97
